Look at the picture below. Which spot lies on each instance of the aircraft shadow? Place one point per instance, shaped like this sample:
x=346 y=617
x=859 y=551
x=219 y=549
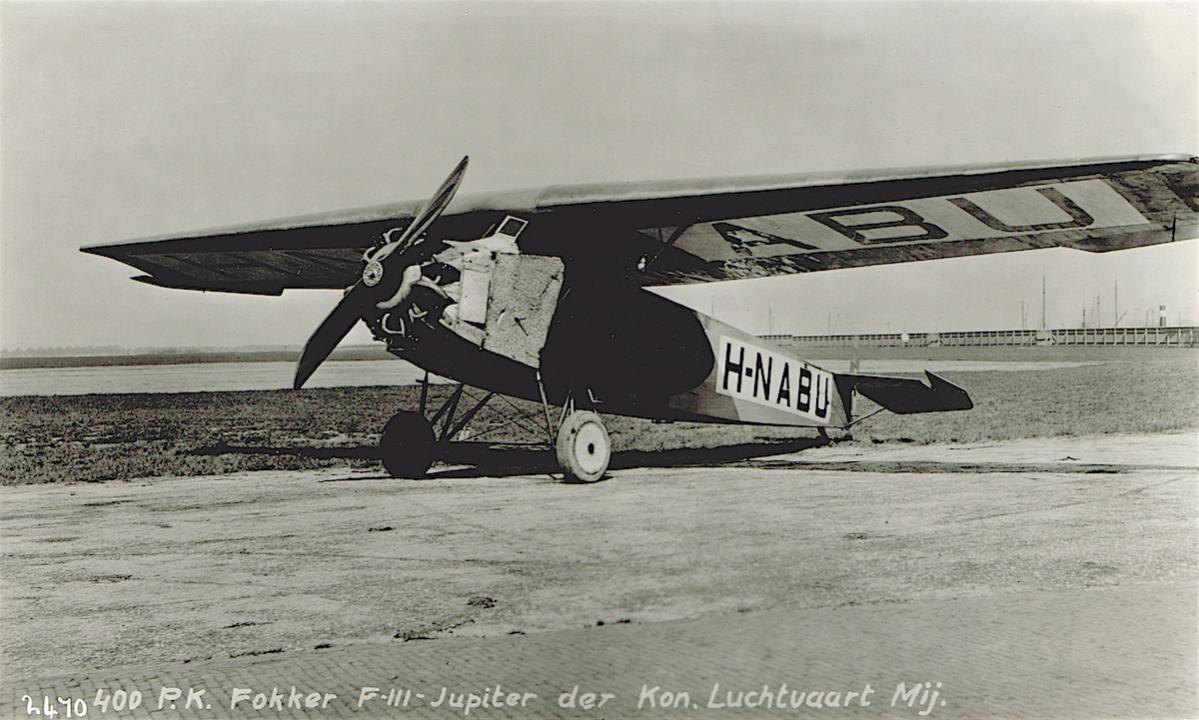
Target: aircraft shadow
x=481 y=459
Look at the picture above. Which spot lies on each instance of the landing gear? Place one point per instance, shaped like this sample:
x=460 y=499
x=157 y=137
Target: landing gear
x=410 y=442
x=583 y=448
x=406 y=445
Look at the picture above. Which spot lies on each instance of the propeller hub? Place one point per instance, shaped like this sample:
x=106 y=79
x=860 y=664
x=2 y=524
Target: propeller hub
x=372 y=273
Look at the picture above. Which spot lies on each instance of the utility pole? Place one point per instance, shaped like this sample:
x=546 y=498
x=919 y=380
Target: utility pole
x=1022 y=321
x=1116 y=302
x=1043 y=302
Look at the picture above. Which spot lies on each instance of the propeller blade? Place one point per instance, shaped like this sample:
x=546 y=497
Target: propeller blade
x=357 y=301
x=330 y=332
x=430 y=212
x=436 y=204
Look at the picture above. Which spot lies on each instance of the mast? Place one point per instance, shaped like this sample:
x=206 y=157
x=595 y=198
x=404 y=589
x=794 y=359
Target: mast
x=1043 y=301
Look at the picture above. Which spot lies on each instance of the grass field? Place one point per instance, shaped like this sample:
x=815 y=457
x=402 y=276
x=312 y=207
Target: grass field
x=120 y=437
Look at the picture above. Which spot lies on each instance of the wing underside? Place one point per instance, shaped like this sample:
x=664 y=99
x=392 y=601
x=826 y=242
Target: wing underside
x=701 y=231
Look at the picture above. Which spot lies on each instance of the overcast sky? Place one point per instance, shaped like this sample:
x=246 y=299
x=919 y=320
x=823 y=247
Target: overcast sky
x=126 y=120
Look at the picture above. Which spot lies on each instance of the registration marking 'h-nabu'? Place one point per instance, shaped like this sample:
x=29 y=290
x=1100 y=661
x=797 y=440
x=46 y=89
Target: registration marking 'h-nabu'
x=768 y=378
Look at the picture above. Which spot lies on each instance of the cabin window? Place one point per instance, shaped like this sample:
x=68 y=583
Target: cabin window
x=511 y=227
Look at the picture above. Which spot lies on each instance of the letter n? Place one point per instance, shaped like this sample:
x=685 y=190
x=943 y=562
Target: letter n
x=763 y=376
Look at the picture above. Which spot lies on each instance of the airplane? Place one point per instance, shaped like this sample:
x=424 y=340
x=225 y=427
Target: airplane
x=543 y=294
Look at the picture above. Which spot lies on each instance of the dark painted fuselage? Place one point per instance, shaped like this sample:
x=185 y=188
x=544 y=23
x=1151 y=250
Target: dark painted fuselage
x=637 y=353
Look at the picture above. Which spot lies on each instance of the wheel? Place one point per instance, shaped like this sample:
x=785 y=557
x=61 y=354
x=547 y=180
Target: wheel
x=583 y=447
x=406 y=445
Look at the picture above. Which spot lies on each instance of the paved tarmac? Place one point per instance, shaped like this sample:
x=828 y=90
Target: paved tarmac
x=1046 y=578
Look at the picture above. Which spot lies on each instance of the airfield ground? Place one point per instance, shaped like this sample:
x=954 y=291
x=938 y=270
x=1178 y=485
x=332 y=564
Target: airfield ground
x=1029 y=576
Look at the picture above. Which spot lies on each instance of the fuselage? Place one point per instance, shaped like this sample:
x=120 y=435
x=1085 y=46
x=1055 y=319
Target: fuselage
x=636 y=353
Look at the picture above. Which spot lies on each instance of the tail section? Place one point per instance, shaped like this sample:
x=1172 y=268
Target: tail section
x=904 y=395
x=756 y=382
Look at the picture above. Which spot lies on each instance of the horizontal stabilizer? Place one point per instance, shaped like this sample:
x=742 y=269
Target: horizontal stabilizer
x=907 y=395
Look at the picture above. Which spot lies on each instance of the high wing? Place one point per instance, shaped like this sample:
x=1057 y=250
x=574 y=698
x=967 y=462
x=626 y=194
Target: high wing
x=662 y=233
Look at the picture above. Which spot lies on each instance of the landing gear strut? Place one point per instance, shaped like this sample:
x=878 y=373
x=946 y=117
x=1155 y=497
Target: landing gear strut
x=410 y=441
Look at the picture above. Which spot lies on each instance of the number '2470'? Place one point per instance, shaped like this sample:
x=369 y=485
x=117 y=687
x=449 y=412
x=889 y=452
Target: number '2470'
x=117 y=701
x=72 y=707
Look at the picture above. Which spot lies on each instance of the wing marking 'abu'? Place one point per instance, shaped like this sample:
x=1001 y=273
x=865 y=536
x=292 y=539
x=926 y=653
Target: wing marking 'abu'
x=1114 y=210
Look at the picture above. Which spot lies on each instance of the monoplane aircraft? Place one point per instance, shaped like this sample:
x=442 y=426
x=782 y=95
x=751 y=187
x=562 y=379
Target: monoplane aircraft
x=542 y=294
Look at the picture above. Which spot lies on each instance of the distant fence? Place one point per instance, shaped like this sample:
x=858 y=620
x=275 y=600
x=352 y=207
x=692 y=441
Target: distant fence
x=1173 y=336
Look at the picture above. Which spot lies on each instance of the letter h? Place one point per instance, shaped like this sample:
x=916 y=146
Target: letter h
x=730 y=366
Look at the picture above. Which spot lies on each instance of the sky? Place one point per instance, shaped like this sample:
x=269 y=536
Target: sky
x=122 y=120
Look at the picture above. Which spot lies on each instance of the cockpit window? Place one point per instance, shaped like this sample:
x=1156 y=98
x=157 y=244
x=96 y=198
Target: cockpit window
x=511 y=227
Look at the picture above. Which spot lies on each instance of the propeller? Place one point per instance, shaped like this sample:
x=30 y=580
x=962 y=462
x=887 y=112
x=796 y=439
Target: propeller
x=386 y=263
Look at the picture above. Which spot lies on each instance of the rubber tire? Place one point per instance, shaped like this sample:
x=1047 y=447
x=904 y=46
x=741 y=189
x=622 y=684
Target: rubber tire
x=583 y=459
x=406 y=445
